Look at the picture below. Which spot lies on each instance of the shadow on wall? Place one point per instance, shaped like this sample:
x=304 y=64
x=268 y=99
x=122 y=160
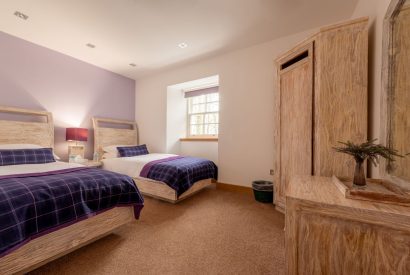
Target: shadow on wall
x=35 y=77
x=12 y=94
x=102 y=103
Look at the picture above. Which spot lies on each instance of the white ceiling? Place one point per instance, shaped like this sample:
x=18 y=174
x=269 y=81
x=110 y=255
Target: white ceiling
x=147 y=32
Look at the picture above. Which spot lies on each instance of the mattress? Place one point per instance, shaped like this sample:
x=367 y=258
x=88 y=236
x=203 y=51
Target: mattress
x=36 y=168
x=132 y=166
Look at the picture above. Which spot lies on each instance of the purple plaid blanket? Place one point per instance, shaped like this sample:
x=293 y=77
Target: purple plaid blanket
x=33 y=205
x=180 y=173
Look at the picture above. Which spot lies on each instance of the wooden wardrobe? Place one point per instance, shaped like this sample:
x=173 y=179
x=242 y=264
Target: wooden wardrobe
x=320 y=99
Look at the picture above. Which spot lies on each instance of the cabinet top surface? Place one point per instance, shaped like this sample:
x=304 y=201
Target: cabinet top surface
x=323 y=191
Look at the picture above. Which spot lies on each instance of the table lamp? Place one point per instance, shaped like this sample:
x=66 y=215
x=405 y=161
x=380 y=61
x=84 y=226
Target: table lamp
x=77 y=135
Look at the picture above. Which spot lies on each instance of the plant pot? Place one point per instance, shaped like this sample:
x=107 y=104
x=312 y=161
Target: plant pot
x=359 y=178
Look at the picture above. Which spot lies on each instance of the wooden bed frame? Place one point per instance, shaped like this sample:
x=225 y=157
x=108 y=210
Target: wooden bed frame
x=44 y=249
x=125 y=132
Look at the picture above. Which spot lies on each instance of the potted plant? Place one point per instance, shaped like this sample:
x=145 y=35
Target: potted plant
x=367 y=150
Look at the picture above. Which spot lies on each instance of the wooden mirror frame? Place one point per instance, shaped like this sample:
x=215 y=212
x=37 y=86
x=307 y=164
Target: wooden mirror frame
x=387 y=86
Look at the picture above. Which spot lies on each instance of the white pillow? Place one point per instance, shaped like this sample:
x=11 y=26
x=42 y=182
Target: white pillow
x=110 y=155
x=23 y=146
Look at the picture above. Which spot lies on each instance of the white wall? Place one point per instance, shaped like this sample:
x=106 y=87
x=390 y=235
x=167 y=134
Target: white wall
x=246 y=85
x=176 y=119
x=376 y=10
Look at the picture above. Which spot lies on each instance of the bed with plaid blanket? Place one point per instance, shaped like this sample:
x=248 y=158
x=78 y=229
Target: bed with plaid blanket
x=32 y=205
x=180 y=173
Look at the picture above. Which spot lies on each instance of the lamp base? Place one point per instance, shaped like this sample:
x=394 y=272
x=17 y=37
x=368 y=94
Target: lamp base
x=76 y=150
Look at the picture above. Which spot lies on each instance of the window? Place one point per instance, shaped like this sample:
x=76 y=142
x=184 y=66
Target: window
x=203 y=115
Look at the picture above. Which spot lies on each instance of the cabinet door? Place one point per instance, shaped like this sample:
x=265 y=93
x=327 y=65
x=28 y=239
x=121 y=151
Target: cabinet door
x=341 y=96
x=399 y=108
x=296 y=100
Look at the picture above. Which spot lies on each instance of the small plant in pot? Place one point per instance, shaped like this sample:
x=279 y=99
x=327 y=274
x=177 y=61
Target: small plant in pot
x=367 y=150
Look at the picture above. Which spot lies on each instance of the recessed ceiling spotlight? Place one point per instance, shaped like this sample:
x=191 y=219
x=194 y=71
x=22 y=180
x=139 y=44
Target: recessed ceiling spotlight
x=133 y=65
x=182 y=45
x=92 y=46
x=21 y=15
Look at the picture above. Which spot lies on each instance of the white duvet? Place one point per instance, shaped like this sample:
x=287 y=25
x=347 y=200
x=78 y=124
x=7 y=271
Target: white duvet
x=131 y=166
x=36 y=168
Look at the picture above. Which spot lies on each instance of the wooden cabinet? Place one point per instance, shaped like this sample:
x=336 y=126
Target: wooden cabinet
x=321 y=98
x=326 y=233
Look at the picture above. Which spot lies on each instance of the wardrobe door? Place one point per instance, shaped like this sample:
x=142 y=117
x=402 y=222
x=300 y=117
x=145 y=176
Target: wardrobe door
x=341 y=96
x=296 y=116
x=399 y=104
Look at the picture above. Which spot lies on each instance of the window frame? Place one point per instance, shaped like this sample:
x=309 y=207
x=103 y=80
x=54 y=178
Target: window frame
x=189 y=115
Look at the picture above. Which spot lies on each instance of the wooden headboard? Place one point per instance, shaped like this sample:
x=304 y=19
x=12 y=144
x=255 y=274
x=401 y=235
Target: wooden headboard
x=122 y=132
x=39 y=133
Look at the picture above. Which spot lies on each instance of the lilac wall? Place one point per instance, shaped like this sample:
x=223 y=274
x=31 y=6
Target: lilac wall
x=35 y=77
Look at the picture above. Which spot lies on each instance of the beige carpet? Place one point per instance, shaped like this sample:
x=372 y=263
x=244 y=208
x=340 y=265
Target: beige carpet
x=213 y=232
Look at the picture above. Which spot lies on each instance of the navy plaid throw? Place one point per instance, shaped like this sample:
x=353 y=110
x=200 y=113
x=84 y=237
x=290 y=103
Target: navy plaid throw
x=131 y=151
x=180 y=173
x=35 y=204
x=26 y=156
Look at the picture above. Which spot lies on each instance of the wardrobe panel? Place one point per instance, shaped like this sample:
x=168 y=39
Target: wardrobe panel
x=341 y=96
x=400 y=94
x=296 y=118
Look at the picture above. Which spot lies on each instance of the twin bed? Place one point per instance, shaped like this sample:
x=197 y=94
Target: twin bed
x=50 y=208
x=171 y=178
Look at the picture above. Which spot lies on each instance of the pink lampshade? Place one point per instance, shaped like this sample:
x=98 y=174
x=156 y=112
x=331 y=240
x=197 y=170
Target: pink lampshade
x=76 y=134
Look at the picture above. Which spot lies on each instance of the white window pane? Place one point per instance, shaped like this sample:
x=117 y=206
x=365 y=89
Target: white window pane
x=212 y=97
x=198 y=108
x=212 y=107
x=197 y=119
x=211 y=129
x=203 y=116
x=197 y=130
x=198 y=99
x=212 y=118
